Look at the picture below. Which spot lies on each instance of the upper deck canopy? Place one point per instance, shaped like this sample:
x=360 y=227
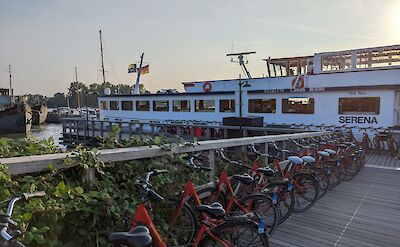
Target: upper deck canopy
x=374 y=58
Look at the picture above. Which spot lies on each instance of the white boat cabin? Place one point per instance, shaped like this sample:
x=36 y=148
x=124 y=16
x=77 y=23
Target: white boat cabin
x=355 y=88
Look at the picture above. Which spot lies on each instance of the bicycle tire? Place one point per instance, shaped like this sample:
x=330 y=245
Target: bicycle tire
x=308 y=181
x=285 y=207
x=392 y=148
x=227 y=230
x=209 y=195
x=16 y=244
x=263 y=205
x=323 y=183
x=377 y=143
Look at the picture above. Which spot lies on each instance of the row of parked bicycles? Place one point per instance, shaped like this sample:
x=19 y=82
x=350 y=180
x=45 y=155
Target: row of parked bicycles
x=243 y=207
x=372 y=138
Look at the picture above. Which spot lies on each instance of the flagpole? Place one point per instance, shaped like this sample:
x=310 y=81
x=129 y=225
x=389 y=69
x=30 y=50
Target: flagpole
x=136 y=88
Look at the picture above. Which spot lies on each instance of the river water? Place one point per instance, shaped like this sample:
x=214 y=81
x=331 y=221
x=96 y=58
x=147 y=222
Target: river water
x=45 y=131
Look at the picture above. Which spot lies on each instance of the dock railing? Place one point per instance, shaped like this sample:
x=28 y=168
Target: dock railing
x=77 y=130
x=38 y=163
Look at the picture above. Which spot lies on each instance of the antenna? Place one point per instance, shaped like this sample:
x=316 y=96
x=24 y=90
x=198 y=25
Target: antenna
x=241 y=61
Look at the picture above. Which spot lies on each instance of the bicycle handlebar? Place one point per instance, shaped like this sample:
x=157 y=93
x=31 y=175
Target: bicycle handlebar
x=190 y=163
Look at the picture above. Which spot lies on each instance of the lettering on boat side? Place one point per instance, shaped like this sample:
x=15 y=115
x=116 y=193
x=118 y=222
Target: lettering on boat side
x=357 y=120
x=295 y=90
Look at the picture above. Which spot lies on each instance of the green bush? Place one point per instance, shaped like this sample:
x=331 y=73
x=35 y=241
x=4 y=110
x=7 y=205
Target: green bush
x=75 y=212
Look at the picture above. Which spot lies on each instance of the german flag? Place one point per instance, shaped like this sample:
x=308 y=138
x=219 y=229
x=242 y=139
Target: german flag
x=144 y=70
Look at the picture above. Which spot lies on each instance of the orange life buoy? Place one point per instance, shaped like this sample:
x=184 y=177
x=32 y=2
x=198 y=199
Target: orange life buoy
x=207 y=87
x=300 y=83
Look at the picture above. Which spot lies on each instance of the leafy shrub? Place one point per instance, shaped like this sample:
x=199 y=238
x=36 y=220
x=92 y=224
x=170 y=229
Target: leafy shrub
x=75 y=212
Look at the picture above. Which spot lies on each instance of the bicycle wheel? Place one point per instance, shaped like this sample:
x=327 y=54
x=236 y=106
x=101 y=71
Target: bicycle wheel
x=392 y=148
x=183 y=230
x=323 y=179
x=286 y=202
x=264 y=206
x=306 y=191
x=334 y=178
x=209 y=195
x=236 y=233
x=377 y=143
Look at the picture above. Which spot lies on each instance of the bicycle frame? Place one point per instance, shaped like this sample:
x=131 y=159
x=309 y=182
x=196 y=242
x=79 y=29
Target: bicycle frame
x=142 y=217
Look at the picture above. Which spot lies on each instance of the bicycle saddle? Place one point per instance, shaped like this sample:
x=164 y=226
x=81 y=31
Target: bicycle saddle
x=342 y=145
x=137 y=237
x=266 y=171
x=308 y=159
x=295 y=160
x=278 y=182
x=214 y=210
x=323 y=154
x=245 y=178
x=330 y=151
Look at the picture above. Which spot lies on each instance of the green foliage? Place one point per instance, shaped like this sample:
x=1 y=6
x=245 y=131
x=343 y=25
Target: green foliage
x=75 y=212
x=22 y=147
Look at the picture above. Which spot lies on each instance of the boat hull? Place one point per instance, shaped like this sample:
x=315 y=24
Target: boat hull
x=39 y=114
x=17 y=119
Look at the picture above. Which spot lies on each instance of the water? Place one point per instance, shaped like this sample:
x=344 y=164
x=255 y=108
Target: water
x=45 y=131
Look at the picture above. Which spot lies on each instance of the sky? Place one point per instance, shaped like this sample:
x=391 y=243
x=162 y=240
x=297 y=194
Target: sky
x=182 y=40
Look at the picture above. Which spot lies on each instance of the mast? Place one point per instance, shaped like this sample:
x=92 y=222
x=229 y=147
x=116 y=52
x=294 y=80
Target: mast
x=11 y=89
x=102 y=58
x=78 y=104
x=136 y=88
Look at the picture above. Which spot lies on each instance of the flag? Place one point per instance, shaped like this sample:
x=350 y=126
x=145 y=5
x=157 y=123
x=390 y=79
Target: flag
x=144 y=70
x=132 y=68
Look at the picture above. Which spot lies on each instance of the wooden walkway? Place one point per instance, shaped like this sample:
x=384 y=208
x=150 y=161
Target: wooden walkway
x=362 y=212
x=382 y=159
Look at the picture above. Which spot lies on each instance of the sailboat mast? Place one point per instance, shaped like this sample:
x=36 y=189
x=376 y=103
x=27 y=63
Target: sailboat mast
x=102 y=58
x=78 y=103
x=11 y=89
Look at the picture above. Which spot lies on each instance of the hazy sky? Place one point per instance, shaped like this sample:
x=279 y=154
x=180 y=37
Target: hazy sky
x=183 y=40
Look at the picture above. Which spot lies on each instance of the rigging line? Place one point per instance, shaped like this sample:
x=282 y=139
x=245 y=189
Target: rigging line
x=109 y=60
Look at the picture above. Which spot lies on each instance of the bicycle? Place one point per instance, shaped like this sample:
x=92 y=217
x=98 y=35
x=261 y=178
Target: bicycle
x=9 y=237
x=216 y=228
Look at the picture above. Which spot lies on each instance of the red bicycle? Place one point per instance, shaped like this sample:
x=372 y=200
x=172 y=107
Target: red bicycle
x=216 y=228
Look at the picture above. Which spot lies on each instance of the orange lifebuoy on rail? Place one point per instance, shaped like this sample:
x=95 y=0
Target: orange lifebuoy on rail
x=207 y=87
x=300 y=83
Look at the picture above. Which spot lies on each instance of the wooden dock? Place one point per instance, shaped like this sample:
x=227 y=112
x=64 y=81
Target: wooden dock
x=382 y=159
x=362 y=212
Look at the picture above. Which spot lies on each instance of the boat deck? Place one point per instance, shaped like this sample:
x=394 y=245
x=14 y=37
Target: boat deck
x=362 y=212
x=382 y=159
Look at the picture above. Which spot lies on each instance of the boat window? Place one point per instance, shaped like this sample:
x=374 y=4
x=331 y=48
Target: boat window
x=181 y=105
x=114 y=105
x=359 y=106
x=381 y=58
x=127 y=105
x=293 y=68
x=160 y=105
x=204 y=105
x=298 y=105
x=103 y=105
x=336 y=62
x=142 y=105
x=262 y=105
x=227 y=105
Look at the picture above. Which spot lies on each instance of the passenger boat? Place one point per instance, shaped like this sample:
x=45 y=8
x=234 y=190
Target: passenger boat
x=14 y=117
x=359 y=87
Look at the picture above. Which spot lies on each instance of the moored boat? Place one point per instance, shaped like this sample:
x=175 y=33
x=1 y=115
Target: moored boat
x=14 y=117
x=39 y=114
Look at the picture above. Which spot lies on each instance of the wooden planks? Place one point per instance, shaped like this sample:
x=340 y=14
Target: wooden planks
x=362 y=212
x=382 y=159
